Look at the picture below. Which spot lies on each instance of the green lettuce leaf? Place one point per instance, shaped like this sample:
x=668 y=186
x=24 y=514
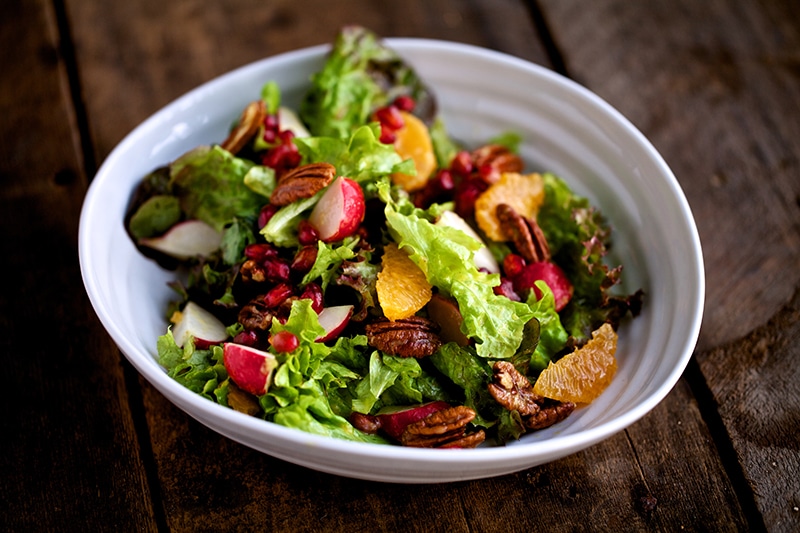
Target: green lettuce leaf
x=472 y=374
x=209 y=182
x=261 y=180
x=235 y=238
x=299 y=394
x=579 y=237
x=155 y=216
x=445 y=256
x=329 y=258
x=394 y=380
x=359 y=75
x=311 y=412
x=359 y=156
x=281 y=230
x=271 y=96
x=200 y=371
x=552 y=335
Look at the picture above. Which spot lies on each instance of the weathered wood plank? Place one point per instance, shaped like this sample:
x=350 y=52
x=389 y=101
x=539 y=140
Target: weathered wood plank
x=138 y=56
x=712 y=84
x=660 y=482
x=69 y=453
x=754 y=381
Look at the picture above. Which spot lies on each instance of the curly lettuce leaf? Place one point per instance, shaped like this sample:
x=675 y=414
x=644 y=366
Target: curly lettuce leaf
x=394 y=380
x=329 y=258
x=209 y=182
x=472 y=374
x=445 y=255
x=200 y=371
x=155 y=216
x=579 y=238
x=359 y=156
x=311 y=412
x=299 y=394
x=359 y=75
x=552 y=335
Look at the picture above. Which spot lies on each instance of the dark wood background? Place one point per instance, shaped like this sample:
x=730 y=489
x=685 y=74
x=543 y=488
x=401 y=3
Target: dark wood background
x=88 y=445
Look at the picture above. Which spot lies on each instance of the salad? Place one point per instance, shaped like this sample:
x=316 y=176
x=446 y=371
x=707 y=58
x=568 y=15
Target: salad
x=349 y=269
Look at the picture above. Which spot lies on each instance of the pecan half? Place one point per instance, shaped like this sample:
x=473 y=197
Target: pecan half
x=409 y=337
x=497 y=159
x=525 y=233
x=255 y=315
x=439 y=428
x=469 y=440
x=302 y=182
x=242 y=401
x=252 y=271
x=550 y=413
x=512 y=390
x=249 y=123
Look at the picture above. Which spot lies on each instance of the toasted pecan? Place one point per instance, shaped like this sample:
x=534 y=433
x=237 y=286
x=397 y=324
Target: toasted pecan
x=302 y=182
x=249 y=124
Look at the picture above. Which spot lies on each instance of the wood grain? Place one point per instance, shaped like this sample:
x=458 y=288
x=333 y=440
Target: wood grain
x=710 y=83
x=657 y=479
x=141 y=55
x=754 y=381
x=618 y=480
x=69 y=451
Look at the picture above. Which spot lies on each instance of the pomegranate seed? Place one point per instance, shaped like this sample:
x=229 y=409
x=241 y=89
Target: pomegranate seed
x=388 y=135
x=488 y=173
x=266 y=214
x=304 y=259
x=269 y=136
x=551 y=274
x=462 y=164
x=275 y=156
x=286 y=136
x=513 y=265
x=277 y=295
x=306 y=233
x=260 y=252
x=435 y=189
x=466 y=194
x=405 y=103
x=506 y=288
x=271 y=122
x=248 y=338
x=277 y=270
x=284 y=341
x=390 y=117
x=443 y=182
x=313 y=292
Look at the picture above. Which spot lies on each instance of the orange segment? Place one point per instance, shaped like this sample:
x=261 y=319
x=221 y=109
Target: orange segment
x=523 y=192
x=414 y=142
x=581 y=376
x=402 y=286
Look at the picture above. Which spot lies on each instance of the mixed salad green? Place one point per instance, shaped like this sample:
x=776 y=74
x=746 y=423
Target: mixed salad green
x=257 y=277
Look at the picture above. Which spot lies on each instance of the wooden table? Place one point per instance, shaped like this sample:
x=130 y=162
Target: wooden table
x=88 y=445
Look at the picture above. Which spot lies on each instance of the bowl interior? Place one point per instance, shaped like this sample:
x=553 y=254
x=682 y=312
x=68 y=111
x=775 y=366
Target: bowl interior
x=565 y=129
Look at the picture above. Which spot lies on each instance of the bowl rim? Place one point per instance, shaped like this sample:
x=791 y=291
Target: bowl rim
x=183 y=397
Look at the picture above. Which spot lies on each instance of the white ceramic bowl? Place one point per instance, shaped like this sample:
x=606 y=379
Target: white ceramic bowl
x=566 y=130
